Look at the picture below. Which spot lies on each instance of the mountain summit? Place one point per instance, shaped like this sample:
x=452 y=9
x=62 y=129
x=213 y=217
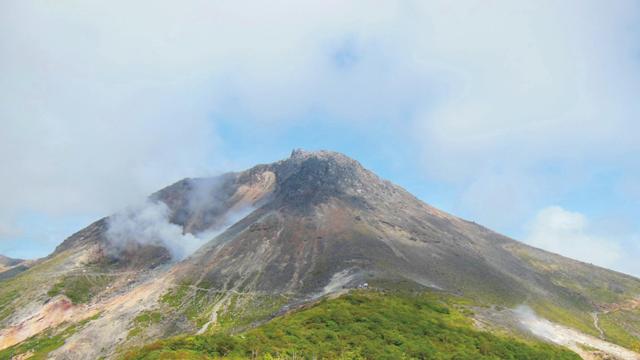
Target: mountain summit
x=323 y=222
x=281 y=235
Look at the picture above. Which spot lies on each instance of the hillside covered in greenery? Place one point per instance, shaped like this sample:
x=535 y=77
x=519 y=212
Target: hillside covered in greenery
x=360 y=325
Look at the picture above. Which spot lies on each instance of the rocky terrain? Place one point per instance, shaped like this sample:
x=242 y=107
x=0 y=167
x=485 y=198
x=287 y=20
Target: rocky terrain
x=278 y=236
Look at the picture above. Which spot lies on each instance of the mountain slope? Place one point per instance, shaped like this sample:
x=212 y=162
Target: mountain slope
x=282 y=235
x=6 y=262
x=10 y=267
x=330 y=224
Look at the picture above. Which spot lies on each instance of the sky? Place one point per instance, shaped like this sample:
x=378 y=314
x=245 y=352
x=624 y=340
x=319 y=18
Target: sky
x=522 y=116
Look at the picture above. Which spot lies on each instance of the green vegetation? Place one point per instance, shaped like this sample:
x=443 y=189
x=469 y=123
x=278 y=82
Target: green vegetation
x=6 y=300
x=147 y=318
x=593 y=285
x=17 y=290
x=578 y=289
x=143 y=321
x=195 y=303
x=360 y=325
x=175 y=295
x=620 y=326
x=39 y=346
x=80 y=288
x=237 y=311
x=243 y=311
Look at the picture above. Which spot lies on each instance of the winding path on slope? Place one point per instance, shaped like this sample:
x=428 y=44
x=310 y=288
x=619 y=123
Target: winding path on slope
x=596 y=323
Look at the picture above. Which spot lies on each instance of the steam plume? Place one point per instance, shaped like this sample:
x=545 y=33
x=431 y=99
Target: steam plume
x=148 y=224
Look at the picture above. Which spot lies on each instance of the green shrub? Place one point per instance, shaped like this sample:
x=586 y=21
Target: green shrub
x=361 y=325
x=79 y=288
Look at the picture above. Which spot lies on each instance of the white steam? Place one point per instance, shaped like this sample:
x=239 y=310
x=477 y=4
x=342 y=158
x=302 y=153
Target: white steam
x=564 y=336
x=543 y=328
x=148 y=224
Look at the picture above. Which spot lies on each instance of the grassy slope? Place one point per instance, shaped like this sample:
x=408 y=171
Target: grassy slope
x=47 y=279
x=80 y=288
x=40 y=345
x=27 y=285
x=579 y=289
x=240 y=311
x=623 y=327
x=361 y=325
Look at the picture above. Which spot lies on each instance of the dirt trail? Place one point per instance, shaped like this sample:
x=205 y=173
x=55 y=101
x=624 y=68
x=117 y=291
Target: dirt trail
x=214 y=315
x=596 y=323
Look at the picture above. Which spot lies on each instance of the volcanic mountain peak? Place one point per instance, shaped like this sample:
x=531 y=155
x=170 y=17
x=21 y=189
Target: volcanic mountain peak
x=307 y=178
x=281 y=234
x=324 y=156
x=300 y=154
x=321 y=167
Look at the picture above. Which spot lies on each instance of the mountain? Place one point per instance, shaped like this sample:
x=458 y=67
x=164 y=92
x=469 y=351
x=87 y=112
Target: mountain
x=277 y=238
x=10 y=267
x=6 y=262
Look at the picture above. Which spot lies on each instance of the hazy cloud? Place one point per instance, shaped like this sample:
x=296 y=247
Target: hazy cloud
x=105 y=102
x=530 y=87
x=7 y=230
x=572 y=234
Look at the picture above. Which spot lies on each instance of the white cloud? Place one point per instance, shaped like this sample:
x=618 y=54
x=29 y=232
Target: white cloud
x=499 y=198
x=104 y=102
x=528 y=87
x=533 y=76
x=571 y=234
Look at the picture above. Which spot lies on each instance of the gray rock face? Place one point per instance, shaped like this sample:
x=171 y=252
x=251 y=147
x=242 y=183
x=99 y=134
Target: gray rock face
x=327 y=219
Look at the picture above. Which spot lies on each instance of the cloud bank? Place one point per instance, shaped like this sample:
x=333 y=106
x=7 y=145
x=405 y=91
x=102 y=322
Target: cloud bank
x=566 y=232
x=508 y=104
x=572 y=234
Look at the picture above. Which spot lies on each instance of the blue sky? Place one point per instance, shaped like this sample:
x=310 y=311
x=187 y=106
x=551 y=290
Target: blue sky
x=521 y=116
